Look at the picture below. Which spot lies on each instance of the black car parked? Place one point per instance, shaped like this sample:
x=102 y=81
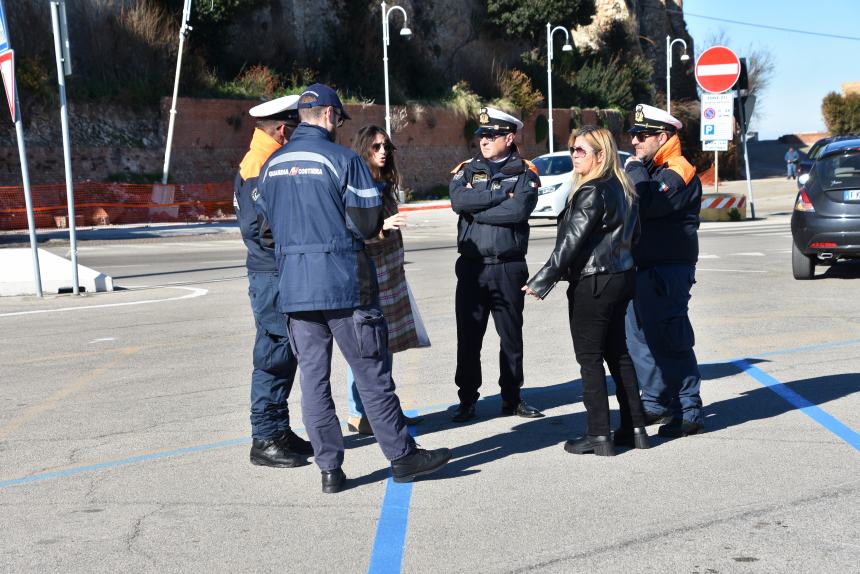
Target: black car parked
x=825 y=224
x=807 y=159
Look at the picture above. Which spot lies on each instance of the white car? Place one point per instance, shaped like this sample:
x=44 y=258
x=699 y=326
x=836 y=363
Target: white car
x=556 y=176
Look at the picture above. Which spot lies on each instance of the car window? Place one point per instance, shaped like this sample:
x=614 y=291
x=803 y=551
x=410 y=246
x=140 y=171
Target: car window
x=839 y=171
x=553 y=165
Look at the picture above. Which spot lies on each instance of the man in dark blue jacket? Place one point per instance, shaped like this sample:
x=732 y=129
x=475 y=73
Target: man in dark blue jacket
x=659 y=333
x=274 y=443
x=320 y=201
x=494 y=193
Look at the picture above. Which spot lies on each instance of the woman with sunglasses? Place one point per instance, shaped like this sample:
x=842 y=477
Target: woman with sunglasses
x=375 y=147
x=596 y=232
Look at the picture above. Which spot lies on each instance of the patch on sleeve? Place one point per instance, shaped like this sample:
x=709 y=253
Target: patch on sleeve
x=663 y=187
x=532 y=183
x=479 y=177
x=459 y=174
x=255 y=195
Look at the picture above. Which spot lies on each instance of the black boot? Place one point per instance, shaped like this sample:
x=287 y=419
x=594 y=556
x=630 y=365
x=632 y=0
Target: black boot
x=418 y=463
x=333 y=480
x=632 y=437
x=275 y=453
x=295 y=443
x=601 y=445
x=465 y=412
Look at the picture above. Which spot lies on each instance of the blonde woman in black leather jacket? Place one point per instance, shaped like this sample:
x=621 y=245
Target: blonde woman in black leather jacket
x=596 y=232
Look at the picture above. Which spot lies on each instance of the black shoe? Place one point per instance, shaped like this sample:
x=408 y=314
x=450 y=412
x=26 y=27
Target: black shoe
x=465 y=412
x=522 y=409
x=657 y=419
x=678 y=429
x=295 y=443
x=601 y=445
x=273 y=452
x=333 y=480
x=631 y=437
x=419 y=462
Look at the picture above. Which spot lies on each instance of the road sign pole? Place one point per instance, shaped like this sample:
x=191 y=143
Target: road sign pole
x=716 y=172
x=749 y=182
x=28 y=201
x=67 y=157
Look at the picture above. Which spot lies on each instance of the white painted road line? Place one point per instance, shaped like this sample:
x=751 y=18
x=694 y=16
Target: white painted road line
x=195 y=292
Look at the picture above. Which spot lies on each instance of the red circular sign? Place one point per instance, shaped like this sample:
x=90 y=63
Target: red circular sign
x=717 y=69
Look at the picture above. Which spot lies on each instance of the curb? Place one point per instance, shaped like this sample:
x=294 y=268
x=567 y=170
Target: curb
x=721 y=206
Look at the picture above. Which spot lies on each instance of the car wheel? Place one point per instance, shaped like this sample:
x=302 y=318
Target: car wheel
x=802 y=266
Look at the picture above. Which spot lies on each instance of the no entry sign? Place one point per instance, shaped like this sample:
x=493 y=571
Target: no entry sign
x=717 y=69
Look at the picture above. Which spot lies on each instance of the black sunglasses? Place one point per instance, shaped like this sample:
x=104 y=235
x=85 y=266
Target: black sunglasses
x=388 y=147
x=642 y=136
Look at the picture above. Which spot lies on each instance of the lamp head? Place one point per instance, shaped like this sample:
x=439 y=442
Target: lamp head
x=684 y=57
x=567 y=48
x=406 y=32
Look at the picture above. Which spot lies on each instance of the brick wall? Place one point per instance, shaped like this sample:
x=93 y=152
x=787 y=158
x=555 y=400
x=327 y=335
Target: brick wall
x=211 y=136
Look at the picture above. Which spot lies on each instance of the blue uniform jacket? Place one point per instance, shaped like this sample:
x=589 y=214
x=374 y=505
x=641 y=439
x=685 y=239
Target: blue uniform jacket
x=670 y=197
x=320 y=201
x=261 y=255
x=494 y=208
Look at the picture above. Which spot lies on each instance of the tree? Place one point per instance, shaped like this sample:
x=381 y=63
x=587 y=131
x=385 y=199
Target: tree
x=841 y=113
x=527 y=20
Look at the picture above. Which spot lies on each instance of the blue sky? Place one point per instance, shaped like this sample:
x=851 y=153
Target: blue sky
x=806 y=67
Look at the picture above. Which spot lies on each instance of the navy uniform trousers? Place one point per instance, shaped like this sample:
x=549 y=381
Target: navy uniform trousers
x=361 y=335
x=660 y=339
x=274 y=362
x=484 y=289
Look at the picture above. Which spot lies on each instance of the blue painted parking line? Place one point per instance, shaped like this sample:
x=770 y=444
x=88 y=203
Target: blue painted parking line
x=814 y=412
x=387 y=554
x=122 y=462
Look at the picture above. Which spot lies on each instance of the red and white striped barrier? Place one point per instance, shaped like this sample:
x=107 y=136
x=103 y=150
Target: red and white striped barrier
x=719 y=201
x=723 y=207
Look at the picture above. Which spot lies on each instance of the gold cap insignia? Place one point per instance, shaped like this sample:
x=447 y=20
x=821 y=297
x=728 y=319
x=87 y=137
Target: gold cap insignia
x=640 y=115
x=484 y=118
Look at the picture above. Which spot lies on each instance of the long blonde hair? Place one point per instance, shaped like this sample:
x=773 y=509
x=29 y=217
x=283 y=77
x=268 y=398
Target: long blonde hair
x=600 y=139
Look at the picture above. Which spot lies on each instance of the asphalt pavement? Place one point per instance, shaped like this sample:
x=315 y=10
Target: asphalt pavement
x=124 y=428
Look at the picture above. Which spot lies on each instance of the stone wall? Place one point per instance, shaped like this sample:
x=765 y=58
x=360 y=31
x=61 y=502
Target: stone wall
x=211 y=136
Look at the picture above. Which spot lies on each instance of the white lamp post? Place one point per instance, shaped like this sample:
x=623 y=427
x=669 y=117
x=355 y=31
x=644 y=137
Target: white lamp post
x=405 y=32
x=184 y=30
x=684 y=58
x=566 y=48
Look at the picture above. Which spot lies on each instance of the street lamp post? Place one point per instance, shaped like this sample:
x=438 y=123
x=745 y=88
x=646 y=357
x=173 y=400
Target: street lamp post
x=566 y=48
x=184 y=30
x=684 y=58
x=405 y=32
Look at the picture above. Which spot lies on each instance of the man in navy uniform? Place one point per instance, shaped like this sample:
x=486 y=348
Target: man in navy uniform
x=659 y=333
x=321 y=203
x=274 y=443
x=494 y=194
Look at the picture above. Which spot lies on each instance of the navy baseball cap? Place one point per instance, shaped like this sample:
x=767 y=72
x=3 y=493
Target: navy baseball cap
x=324 y=96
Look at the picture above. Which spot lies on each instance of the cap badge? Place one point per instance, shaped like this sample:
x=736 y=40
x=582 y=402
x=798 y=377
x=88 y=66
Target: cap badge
x=640 y=115
x=484 y=118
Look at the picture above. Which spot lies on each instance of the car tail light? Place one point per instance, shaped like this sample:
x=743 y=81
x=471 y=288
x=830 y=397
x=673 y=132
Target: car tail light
x=822 y=244
x=802 y=203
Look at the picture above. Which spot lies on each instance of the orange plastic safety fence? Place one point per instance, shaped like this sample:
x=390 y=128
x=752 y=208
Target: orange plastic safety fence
x=117 y=203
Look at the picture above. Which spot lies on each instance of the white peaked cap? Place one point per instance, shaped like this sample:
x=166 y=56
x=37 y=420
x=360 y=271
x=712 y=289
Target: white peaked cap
x=275 y=107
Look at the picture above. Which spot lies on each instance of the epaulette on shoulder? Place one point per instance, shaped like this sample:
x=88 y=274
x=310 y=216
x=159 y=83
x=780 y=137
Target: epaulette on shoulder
x=460 y=166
